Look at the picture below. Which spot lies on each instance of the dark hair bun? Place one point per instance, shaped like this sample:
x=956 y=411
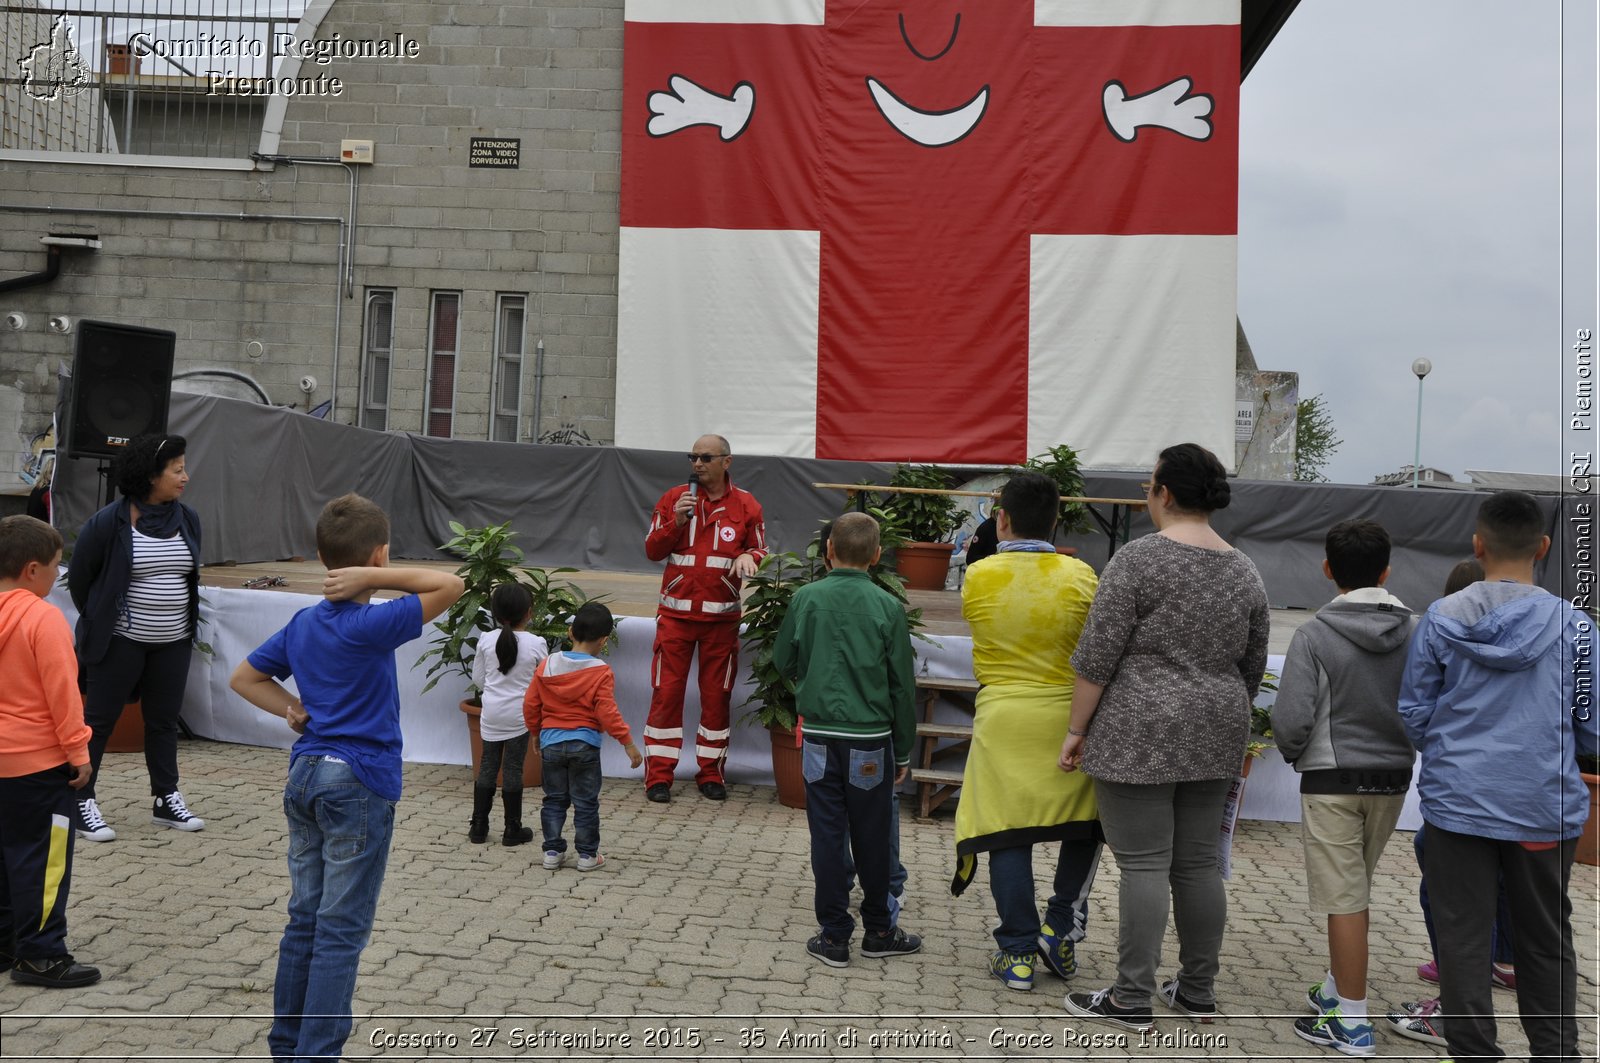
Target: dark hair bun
x=1218 y=494
x=1197 y=480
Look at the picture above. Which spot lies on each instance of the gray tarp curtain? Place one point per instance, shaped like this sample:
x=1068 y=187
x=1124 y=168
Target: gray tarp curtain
x=1281 y=527
x=261 y=474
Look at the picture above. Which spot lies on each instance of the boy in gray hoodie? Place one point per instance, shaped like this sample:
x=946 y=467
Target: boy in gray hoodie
x=1335 y=721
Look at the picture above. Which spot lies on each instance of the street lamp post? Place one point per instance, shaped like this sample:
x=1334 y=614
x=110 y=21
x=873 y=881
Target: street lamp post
x=1422 y=367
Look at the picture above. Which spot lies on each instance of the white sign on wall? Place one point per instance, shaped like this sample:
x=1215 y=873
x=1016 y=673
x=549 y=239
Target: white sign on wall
x=1244 y=422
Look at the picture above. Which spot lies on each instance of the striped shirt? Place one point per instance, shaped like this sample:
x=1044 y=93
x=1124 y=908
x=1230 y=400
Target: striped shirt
x=157 y=600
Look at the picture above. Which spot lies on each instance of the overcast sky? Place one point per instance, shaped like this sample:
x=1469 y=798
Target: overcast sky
x=1399 y=199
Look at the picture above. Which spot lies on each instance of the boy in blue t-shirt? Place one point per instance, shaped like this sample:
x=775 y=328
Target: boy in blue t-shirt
x=344 y=770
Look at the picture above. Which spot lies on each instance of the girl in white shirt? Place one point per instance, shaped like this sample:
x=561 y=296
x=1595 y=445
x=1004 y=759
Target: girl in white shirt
x=502 y=670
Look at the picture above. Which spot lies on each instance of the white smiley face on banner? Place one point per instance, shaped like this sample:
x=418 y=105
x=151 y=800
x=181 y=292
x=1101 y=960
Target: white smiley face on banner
x=727 y=534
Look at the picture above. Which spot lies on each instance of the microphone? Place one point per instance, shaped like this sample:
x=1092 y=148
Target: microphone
x=694 y=486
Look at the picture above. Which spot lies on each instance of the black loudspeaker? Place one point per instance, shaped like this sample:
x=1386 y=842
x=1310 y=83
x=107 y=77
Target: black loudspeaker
x=121 y=385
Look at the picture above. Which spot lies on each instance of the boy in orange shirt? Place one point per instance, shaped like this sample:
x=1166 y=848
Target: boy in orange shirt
x=44 y=757
x=571 y=700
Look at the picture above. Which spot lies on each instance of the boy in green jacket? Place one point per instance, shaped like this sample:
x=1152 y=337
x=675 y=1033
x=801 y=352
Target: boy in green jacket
x=846 y=644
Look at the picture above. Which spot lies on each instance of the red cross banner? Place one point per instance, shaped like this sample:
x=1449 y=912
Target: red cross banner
x=933 y=231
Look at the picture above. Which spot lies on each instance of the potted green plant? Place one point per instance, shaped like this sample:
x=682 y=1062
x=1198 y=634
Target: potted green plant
x=924 y=523
x=768 y=595
x=1061 y=464
x=1260 y=724
x=1589 y=843
x=490 y=559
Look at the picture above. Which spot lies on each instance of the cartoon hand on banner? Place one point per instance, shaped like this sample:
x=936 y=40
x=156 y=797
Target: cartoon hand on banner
x=1170 y=107
x=690 y=105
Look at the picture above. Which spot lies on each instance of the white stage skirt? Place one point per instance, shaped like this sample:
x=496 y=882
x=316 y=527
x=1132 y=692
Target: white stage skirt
x=237 y=621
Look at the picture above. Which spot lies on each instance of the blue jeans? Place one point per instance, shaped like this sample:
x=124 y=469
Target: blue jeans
x=571 y=779
x=1011 y=882
x=848 y=788
x=339 y=834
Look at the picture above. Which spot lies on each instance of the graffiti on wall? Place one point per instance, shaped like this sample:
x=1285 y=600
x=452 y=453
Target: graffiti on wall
x=38 y=456
x=568 y=435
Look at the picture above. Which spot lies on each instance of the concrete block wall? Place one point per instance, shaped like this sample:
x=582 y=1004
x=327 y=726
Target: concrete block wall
x=264 y=297
x=549 y=75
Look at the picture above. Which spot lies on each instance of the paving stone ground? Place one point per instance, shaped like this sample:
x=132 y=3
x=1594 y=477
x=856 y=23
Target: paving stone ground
x=694 y=930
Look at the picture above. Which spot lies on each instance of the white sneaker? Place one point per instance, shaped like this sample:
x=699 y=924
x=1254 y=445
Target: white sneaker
x=589 y=863
x=553 y=860
x=170 y=811
x=91 y=825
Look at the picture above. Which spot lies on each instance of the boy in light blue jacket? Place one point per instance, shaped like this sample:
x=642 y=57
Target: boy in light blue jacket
x=1492 y=698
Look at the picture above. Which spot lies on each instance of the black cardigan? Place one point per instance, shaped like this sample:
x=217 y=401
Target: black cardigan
x=102 y=567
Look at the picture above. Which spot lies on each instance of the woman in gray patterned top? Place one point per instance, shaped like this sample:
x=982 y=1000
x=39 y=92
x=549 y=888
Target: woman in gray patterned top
x=1168 y=664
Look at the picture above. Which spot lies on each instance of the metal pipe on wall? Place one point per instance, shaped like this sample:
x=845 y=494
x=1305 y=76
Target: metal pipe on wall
x=230 y=374
x=538 y=387
x=212 y=215
x=347 y=257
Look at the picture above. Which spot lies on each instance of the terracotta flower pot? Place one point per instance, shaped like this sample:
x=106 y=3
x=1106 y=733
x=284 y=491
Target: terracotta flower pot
x=128 y=734
x=120 y=59
x=532 y=768
x=786 y=771
x=924 y=566
x=1589 y=843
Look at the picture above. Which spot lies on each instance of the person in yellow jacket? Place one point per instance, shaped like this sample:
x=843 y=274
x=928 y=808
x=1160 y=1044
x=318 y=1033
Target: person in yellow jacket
x=1026 y=605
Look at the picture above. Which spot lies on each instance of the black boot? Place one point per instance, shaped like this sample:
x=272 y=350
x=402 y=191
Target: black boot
x=516 y=833
x=482 y=802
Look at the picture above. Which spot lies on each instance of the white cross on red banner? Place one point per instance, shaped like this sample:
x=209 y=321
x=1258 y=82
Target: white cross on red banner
x=937 y=231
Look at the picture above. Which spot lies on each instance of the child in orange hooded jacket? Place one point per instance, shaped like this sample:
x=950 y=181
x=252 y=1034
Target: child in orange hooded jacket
x=571 y=700
x=44 y=758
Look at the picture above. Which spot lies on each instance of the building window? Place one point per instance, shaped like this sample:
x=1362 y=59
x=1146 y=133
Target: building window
x=445 y=338
x=376 y=351
x=506 y=400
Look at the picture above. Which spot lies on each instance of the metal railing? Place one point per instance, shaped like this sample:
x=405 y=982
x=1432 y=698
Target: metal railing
x=139 y=76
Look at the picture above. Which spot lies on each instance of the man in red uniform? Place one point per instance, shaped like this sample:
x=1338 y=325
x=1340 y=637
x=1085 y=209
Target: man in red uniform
x=711 y=534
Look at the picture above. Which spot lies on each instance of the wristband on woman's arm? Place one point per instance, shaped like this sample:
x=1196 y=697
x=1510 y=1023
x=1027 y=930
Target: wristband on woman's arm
x=1077 y=734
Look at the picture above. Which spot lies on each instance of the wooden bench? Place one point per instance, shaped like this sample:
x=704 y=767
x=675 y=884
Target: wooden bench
x=935 y=786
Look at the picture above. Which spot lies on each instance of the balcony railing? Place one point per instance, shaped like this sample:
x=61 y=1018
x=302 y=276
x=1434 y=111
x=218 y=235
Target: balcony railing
x=142 y=79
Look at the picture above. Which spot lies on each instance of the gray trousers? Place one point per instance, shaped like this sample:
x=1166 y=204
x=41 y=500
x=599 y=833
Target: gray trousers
x=1463 y=882
x=1165 y=841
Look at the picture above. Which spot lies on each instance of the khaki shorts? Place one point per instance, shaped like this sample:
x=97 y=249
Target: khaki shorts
x=1344 y=834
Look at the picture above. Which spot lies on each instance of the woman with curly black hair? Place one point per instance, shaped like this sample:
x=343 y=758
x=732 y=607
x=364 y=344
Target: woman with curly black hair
x=135 y=578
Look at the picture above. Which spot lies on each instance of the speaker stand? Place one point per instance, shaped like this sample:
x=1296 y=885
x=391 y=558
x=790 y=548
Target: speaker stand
x=103 y=467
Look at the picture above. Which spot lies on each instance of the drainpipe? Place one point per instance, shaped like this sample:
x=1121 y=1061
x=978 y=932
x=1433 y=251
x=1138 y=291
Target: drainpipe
x=52 y=265
x=208 y=215
x=347 y=257
x=538 y=386
x=52 y=270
